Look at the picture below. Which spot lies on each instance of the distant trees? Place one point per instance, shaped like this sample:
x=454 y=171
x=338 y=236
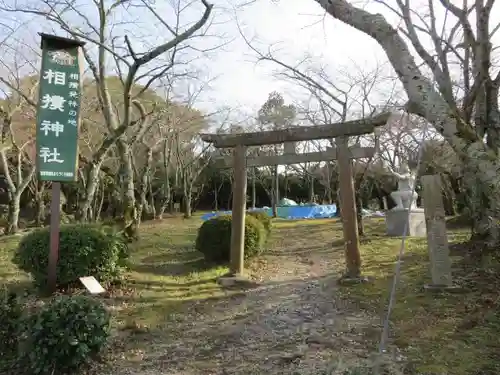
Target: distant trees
x=127 y=122
x=273 y=115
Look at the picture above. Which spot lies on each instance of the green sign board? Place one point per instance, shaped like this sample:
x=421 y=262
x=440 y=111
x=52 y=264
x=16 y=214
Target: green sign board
x=58 y=110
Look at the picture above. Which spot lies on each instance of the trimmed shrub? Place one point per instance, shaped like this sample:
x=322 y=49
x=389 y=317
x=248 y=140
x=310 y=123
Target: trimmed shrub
x=65 y=335
x=264 y=218
x=214 y=238
x=10 y=317
x=84 y=250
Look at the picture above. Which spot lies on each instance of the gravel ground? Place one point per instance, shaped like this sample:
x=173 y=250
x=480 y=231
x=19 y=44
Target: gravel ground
x=291 y=324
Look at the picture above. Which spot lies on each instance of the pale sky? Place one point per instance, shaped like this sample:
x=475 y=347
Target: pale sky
x=295 y=28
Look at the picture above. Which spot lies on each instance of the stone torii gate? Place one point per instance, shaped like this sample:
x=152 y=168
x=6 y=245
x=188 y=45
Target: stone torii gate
x=342 y=152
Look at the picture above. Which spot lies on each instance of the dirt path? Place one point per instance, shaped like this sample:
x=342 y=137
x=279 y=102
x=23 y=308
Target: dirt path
x=291 y=324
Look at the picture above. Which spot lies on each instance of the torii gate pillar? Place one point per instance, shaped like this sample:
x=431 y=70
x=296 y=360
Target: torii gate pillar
x=348 y=211
x=236 y=266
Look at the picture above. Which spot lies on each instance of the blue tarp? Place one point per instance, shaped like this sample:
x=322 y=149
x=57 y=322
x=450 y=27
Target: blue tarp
x=291 y=212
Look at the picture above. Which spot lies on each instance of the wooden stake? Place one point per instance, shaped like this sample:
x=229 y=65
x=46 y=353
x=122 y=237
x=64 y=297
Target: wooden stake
x=238 y=211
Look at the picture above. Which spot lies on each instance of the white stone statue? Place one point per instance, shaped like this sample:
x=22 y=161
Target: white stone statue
x=406 y=182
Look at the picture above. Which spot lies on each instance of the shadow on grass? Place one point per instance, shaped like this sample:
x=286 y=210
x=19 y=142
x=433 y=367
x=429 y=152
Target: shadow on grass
x=310 y=227
x=338 y=243
x=164 y=266
x=170 y=259
x=165 y=284
x=302 y=251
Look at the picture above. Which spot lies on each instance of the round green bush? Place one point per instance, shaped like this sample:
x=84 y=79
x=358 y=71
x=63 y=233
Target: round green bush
x=214 y=238
x=65 y=335
x=84 y=250
x=264 y=218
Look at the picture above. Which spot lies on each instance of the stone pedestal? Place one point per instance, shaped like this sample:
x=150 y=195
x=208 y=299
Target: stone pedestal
x=397 y=219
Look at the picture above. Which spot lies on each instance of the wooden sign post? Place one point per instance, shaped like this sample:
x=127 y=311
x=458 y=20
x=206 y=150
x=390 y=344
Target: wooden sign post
x=57 y=126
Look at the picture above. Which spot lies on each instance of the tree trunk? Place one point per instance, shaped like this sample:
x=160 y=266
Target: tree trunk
x=329 y=183
x=98 y=210
x=15 y=190
x=167 y=198
x=152 y=204
x=39 y=204
x=449 y=201
x=167 y=191
x=187 y=195
x=216 y=198
x=229 y=200
x=85 y=214
x=143 y=204
x=285 y=183
x=14 y=209
x=275 y=192
x=187 y=202
x=311 y=189
x=254 y=191
x=359 y=214
x=188 y=207
x=129 y=209
x=95 y=204
x=478 y=204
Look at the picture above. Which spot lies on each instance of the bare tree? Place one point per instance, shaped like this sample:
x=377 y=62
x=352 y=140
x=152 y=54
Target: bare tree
x=466 y=115
x=191 y=164
x=17 y=144
x=275 y=114
x=133 y=66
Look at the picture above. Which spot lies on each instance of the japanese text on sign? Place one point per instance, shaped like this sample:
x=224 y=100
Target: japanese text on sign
x=58 y=112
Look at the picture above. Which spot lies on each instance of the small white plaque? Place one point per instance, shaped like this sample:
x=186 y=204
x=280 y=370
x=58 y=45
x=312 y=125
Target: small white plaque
x=92 y=285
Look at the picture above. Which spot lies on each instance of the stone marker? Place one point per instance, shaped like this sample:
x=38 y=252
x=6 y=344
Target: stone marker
x=405 y=219
x=437 y=241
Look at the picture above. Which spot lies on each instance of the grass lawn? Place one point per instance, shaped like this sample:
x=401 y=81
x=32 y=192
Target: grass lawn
x=439 y=334
x=166 y=271
x=455 y=333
